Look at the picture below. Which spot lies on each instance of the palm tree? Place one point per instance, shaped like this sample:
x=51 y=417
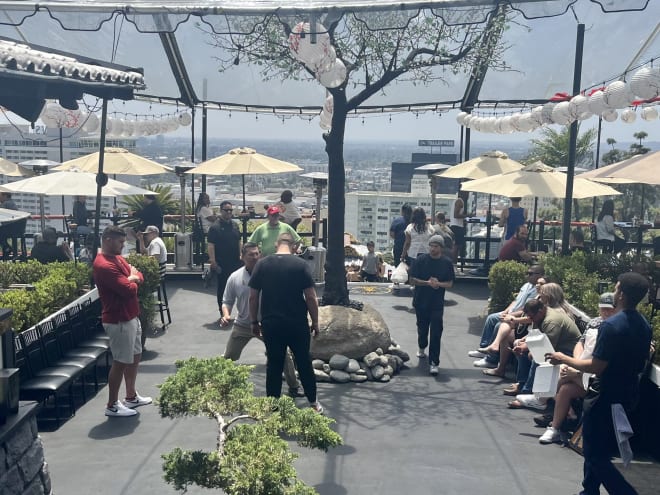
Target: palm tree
x=641 y=135
x=611 y=142
x=552 y=149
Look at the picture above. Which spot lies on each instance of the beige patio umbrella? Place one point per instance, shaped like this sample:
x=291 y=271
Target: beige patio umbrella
x=116 y=161
x=642 y=169
x=537 y=180
x=11 y=169
x=243 y=161
x=485 y=165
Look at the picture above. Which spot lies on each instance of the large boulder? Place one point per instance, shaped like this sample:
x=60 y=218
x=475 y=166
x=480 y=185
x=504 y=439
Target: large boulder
x=349 y=332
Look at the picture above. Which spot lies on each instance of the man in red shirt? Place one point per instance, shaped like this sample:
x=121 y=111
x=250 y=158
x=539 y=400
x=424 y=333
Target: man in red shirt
x=515 y=249
x=117 y=283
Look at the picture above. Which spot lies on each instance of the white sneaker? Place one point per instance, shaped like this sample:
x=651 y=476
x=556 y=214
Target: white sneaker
x=119 y=409
x=476 y=354
x=433 y=369
x=532 y=402
x=551 y=435
x=317 y=407
x=137 y=401
x=420 y=353
x=483 y=363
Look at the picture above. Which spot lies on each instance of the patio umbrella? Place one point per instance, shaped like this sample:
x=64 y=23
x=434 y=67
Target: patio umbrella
x=116 y=161
x=243 y=161
x=485 y=165
x=11 y=169
x=10 y=216
x=538 y=180
x=642 y=169
x=71 y=184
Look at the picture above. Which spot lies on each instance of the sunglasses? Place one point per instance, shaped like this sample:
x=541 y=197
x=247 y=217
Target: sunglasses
x=228 y=209
x=533 y=273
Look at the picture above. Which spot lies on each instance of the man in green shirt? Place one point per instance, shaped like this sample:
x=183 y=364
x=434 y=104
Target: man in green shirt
x=266 y=234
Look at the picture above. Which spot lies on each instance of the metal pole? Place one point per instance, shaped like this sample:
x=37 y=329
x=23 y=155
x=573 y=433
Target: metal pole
x=460 y=150
x=600 y=128
x=62 y=161
x=572 y=147
x=317 y=226
x=205 y=123
x=433 y=188
x=467 y=144
x=101 y=178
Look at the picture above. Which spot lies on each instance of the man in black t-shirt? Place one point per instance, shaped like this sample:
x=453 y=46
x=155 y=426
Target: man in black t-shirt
x=431 y=274
x=622 y=349
x=282 y=287
x=224 y=248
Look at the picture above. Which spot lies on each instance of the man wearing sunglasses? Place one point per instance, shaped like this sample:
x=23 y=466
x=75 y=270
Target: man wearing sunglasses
x=224 y=248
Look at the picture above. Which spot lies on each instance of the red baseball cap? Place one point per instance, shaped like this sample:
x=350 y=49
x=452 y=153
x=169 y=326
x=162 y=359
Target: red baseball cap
x=273 y=210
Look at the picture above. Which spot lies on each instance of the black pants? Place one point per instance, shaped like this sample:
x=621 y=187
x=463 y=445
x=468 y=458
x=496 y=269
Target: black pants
x=430 y=321
x=599 y=443
x=277 y=337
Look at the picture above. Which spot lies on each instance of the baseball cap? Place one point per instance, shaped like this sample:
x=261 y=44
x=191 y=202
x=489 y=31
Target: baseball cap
x=151 y=228
x=437 y=239
x=606 y=300
x=273 y=210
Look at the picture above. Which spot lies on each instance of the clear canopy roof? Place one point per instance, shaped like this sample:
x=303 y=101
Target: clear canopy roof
x=536 y=62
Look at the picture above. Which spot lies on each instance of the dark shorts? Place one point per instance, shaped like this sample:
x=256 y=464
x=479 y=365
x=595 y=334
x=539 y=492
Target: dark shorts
x=459 y=235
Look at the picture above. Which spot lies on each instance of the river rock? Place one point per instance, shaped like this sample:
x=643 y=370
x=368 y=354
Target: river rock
x=326 y=368
x=388 y=370
x=338 y=362
x=377 y=371
x=385 y=378
x=321 y=376
x=353 y=366
x=340 y=376
x=384 y=361
x=379 y=351
x=358 y=378
x=317 y=364
x=397 y=351
x=371 y=359
x=368 y=373
x=349 y=332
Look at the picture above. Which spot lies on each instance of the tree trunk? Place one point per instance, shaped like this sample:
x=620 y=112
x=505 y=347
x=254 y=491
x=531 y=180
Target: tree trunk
x=336 y=288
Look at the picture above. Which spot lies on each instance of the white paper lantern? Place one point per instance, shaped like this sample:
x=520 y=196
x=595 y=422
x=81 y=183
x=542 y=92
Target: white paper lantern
x=578 y=105
x=334 y=76
x=585 y=115
x=525 y=123
x=547 y=112
x=649 y=114
x=597 y=103
x=610 y=115
x=185 y=119
x=645 y=83
x=561 y=114
x=467 y=119
x=91 y=123
x=618 y=95
x=129 y=128
x=117 y=127
x=302 y=48
x=475 y=123
x=504 y=125
x=51 y=115
x=490 y=125
x=325 y=120
x=460 y=117
x=628 y=116
x=537 y=115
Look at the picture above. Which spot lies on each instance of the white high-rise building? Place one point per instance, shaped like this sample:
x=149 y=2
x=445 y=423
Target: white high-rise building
x=21 y=143
x=369 y=214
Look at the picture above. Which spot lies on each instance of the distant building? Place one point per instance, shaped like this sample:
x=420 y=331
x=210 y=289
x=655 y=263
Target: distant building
x=368 y=214
x=21 y=143
x=402 y=172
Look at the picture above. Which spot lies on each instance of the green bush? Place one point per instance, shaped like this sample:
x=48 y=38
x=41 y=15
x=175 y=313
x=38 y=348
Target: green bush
x=579 y=283
x=54 y=285
x=504 y=280
x=148 y=266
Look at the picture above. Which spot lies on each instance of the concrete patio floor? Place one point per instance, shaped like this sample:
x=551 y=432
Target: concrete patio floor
x=417 y=434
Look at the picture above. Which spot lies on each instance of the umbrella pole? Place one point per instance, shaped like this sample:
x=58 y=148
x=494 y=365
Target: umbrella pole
x=536 y=205
x=488 y=222
x=433 y=187
x=243 y=181
x=61 y=161
x=42 y=215
x=100 y=178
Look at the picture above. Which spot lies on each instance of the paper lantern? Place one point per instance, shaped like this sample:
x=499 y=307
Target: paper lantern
x=325 y=120
x=334 y=76
x=129 y=128
x=597 y=103
x=618 y=95
x=525 y=123
x=610 y=115
x=311 y=54
x=561 y=114
x=628 y=116
x=460 y=117
x=490 y=125
x=91 y=123
x=649 y=114
x=577 y=106
x=645 y=83
x=547 y=113
x=467 y=119
x=505 y=126
x=537 y=115
x=117 y=127
x=51 y=115
x=184 y=119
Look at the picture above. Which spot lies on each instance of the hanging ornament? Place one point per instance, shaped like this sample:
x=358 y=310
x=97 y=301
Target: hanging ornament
x=467 y=119
x=597 y=104
x=547 y=113
x=610 y=115
x=649 y=114
x=525 y=123
x=185 y=119
x=332 y=76
x=618 y=95
x=561 y=115
x=537 y=115
x=628 y=116
x=461 y=117
x=91 y=123
x=302 y=48
x=645 y=83
x=505 y=126
x=578 y=106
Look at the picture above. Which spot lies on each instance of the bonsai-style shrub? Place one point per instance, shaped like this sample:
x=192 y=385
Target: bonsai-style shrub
x=504 y=280
x=148 y=266
x=251 y=455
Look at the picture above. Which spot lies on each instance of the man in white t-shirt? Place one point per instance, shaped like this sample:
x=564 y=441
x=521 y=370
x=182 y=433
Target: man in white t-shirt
x=153 y=245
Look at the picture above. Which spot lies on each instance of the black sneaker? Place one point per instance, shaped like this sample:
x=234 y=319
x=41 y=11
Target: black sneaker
x=296 y=392
x=543 y=421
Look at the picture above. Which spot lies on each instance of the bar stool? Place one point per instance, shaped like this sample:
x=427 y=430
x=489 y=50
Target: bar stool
x=163 y=304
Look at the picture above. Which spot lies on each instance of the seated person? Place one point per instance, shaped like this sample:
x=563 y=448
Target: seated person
x=515 y=249
x=573 y=383
x=353 y=274
x=563 y=334
x=441 y=228
x=576 y=241
x=47 y=250
x=526 y=292
x=81 y=215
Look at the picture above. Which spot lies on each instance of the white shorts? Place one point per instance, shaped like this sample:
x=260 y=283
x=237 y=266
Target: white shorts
x=125 y=339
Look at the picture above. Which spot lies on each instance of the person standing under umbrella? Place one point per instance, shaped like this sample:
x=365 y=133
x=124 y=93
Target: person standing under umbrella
x=81 y=215
x=224 y=251
x=150 y=214
x=288 y=210
x=511 y=217
x=266 y=234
